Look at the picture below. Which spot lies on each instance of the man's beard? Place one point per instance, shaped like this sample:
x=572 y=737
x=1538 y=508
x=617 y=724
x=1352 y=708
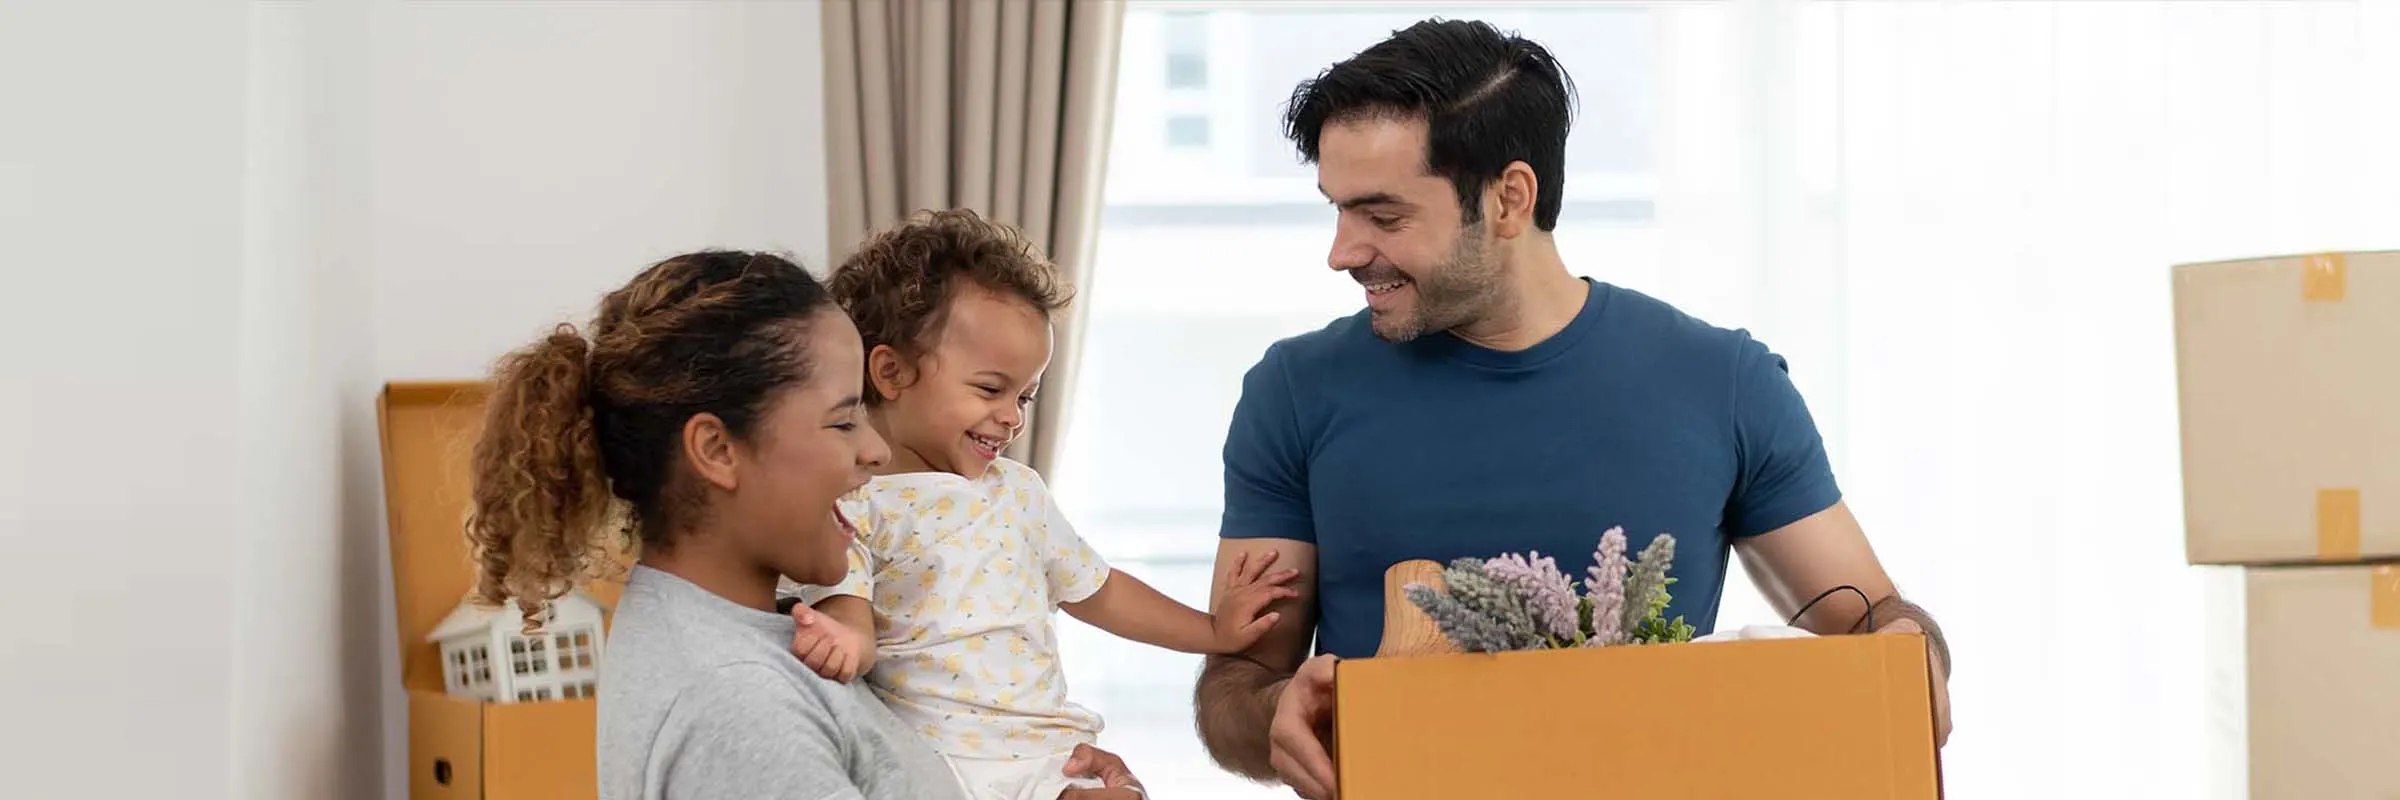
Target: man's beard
x=1448 y=296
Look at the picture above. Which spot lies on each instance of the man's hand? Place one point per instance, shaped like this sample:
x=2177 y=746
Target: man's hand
x=1941 y=679
x=1249 y=588
x=829 y=647
x=1092 y=762
x=1297 y=742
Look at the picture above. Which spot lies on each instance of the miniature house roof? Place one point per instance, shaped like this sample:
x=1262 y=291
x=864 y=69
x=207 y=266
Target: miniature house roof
x=472 y=617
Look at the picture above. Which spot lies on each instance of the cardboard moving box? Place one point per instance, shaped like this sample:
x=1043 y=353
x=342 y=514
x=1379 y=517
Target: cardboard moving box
x=2288 y=371
x=2314 y=706
x=1839 y=718
x=460 y=749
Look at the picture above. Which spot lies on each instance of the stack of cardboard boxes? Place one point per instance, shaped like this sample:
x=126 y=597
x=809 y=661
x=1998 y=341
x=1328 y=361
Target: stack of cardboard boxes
x=2289 y=373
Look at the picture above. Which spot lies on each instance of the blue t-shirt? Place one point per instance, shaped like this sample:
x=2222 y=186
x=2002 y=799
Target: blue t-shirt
x=1635 y=414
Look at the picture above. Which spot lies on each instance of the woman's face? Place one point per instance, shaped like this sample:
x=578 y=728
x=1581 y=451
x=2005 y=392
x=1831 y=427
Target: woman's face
x=811 y=447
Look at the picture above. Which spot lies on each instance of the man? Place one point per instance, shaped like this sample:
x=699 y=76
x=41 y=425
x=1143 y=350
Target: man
x=1490 y=401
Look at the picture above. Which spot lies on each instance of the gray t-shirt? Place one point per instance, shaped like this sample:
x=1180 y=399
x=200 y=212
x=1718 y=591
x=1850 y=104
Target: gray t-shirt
x=701 y=697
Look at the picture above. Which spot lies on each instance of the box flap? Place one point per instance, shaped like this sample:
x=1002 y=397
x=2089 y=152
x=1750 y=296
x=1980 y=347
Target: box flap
x=1847 y=717
x=2286 y=371
x=429 y=432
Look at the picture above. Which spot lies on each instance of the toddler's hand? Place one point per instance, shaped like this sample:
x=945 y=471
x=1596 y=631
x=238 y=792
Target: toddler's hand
x=829 y=647
x=1249 y=589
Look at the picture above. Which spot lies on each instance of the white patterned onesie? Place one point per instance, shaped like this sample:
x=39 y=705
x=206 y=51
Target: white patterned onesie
x=964 y=577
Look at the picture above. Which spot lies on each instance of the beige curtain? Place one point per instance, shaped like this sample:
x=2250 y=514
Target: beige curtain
x=1002 y=106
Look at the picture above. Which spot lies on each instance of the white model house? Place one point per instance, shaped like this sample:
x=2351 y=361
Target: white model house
x=486 y=654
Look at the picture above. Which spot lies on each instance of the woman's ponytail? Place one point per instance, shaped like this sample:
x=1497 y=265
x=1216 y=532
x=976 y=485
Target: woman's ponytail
x=540 y=491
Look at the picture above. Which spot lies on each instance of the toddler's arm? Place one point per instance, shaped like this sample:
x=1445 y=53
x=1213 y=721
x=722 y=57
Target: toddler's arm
x=1129 y=608
x=836 y=637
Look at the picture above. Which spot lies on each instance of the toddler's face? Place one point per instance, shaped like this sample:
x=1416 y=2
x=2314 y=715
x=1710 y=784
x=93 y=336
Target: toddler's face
x=973 y=387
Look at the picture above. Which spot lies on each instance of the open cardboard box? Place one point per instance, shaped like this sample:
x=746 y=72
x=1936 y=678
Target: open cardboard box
x=459 y=749
x=1837 y=717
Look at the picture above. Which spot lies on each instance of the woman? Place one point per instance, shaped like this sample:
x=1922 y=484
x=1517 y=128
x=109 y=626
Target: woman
x=714 y=414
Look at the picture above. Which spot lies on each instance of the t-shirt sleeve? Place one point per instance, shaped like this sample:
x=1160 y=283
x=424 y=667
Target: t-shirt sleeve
x=1266 y=460
x=1074 y=570
x=859 y=580
x=1785 y=475
x=746 y=731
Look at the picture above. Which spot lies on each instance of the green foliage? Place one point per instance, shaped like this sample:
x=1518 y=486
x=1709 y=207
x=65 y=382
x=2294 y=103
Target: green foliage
x=1655 y=629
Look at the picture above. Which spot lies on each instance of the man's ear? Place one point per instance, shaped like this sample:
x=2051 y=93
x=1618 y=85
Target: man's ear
x=710 y=449
x=1512 y=198
x=889 y=372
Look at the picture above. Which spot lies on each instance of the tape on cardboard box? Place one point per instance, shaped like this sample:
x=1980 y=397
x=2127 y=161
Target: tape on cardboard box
x=2383 y=598
x=2324 y=278
x=2337 y=524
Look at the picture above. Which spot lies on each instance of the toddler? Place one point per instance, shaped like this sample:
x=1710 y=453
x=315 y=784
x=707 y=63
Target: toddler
x=961 y=556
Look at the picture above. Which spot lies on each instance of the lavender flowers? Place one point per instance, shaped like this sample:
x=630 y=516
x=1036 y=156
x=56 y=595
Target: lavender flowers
x=1524 y=602
x=1646 y=595
x=1607 y=587
x=1548 y=594
x=1472 y=632
x=1472 y=584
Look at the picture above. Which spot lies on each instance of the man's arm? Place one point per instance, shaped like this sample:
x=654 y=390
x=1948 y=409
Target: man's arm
x=1235 y=698
x=1796 y=563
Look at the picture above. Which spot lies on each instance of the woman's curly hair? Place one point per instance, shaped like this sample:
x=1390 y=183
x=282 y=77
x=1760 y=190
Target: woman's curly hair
x=898 y=285
x=581 y=433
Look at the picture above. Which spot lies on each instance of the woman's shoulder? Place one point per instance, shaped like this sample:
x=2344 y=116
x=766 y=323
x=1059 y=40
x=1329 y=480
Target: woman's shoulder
x=759 y=685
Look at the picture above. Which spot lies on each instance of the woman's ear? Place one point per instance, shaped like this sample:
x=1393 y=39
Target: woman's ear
x=710 y=448
x=889 y=372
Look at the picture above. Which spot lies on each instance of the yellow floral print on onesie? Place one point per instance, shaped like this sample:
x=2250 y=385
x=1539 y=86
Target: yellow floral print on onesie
x=965 y=578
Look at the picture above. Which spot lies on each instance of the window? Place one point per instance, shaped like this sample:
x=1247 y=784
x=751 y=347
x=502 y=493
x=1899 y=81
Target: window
x=524 y=695
x=574 y=649
x=542 y=693
x=1187 y=130
x=480 y=656
x=1186 y=35
x=538 y=654
x=516 y=656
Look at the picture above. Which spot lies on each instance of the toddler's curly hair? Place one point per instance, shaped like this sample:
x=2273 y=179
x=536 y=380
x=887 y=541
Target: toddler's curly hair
x=898 y=285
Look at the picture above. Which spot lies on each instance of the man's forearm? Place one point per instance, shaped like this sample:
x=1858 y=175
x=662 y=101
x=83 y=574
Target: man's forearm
x=1892 y=608
x=1235 y=703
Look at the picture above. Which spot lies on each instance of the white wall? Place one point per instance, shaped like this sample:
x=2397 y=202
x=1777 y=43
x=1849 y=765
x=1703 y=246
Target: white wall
x=222 y=230
x=121 y=237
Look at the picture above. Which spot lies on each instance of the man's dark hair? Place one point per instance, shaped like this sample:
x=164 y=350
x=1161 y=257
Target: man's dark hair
x=1488 y=98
